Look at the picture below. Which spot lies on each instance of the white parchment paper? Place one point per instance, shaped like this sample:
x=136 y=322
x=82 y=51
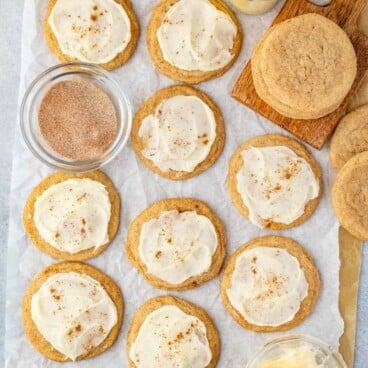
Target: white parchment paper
x=139 y=187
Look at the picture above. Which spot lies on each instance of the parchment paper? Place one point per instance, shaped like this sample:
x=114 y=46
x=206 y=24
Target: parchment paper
x=351 y=257
x=139 y=187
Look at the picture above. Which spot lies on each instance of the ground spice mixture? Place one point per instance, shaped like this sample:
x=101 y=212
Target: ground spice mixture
x=77 y=119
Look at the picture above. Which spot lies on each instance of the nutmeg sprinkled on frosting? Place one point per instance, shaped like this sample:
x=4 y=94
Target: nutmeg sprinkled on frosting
x=169 y=338
x=73 y=312
x=275 y=184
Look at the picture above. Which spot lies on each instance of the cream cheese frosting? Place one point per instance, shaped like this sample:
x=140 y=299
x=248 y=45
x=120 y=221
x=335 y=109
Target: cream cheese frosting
x=170 y=338
x=275 y=184
x=267 y=286
x=176 y=246
x=93 y=31
x=73 y=312
x=195 y=35
x=179 y=135
x=302 y=356
x=74 y=215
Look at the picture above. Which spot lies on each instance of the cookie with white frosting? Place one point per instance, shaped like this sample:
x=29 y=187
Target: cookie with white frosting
x=178 y=132
x=274 y=181
x=177 y=243
x=72 y=311
x=73 y=216
x=102 y=32
x=193 y=40
x=270 y=284
x=170 y=332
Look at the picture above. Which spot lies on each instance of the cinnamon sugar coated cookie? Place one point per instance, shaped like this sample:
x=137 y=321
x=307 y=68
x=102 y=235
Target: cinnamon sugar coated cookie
x=73 y=216
x=350 y=137
x=270 y=284
x=178 y=132
x=172 y=332
x=72 y=311
x=350 y=196
x=274 y=181
x=289 y=69
x=193 y=40
x=177 y=244
x=103 y=32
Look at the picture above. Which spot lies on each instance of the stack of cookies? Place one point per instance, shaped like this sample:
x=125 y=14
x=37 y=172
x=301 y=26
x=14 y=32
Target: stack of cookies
x=349 y=158
x=304 y=67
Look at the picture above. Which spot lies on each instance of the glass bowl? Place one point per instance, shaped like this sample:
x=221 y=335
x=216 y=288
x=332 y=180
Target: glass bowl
x=33 y=98
x=325 y=355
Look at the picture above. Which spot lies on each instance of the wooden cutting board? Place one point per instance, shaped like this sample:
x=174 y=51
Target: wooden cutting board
x=314 y=132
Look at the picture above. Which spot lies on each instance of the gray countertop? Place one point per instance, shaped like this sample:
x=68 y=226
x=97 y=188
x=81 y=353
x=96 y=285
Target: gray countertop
x=11 y=20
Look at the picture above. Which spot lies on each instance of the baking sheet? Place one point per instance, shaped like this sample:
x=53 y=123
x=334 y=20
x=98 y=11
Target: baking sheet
x=139 y=187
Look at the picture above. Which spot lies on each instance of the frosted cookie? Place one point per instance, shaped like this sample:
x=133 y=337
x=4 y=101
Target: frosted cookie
x=274 y=181
x=289 y=70
x=254 y=7
x=103 y=32
x=178 y=132
x=72 y=311
x=350 y=196
x=270 y=284
x=171 y=332
x=73 y=216
x=177 y=243
x=193 y=40
x=350 y=137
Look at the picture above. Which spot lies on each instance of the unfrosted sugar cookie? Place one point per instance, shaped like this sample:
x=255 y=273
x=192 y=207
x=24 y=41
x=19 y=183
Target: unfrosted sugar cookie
x=350 y=196
x=304 y=77
x=350 y=137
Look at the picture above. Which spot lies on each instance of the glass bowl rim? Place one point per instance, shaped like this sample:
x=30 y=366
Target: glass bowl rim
x=123 y=106
x=323 y=346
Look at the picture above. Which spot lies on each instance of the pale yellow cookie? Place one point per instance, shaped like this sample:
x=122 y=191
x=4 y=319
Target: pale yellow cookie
x=58 y=177
x=289 y=70
x=187 y=76
x=254 y=7
x=31 y=330
x=363 y=20
x=361 y=96
x=350 y=137
x=181 y=205
x=350 y=196
x=306 y=264
x=118 y=60
x=188 y=308
x=268 y=140
x=149 y=108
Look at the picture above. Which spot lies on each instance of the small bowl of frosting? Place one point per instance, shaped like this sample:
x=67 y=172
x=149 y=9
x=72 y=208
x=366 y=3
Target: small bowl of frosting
x=296 y=351
x=75 y=117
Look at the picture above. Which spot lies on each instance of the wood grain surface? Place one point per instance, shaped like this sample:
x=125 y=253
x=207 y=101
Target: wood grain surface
x=314 y=132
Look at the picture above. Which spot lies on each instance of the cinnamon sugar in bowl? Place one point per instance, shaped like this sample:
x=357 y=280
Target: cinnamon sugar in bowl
x=75 y=117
